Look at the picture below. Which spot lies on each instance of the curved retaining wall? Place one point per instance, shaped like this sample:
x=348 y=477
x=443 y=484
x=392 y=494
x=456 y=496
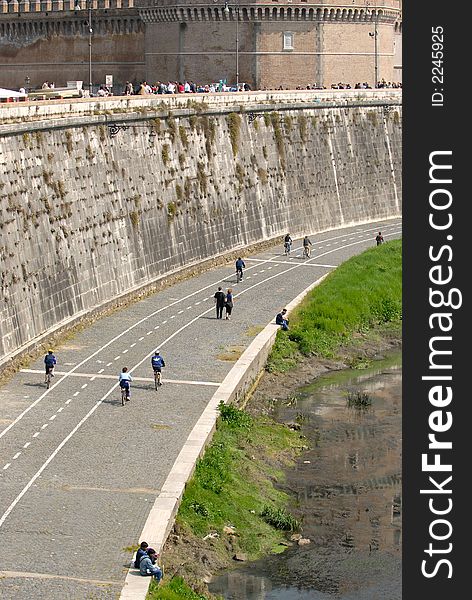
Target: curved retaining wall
x=87 y=216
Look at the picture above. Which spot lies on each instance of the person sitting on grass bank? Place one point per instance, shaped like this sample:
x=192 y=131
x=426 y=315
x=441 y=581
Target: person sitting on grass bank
x=142 y=550
x=281 y=320
x=147 y=565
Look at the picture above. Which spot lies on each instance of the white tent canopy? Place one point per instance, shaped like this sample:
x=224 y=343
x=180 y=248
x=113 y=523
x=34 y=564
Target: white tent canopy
x=11 y=94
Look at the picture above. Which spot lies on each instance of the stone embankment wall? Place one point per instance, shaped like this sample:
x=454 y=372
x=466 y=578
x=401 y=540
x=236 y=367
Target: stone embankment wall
x=99 y=199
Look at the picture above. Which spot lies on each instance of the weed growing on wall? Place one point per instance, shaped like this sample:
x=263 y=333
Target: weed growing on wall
x=240 y=176
x=68 y=136
x=288 y=122
x=178 y=192
x=302 y=127
x=183 y=136
x=156 y=125
x=134 y=217
x=193 y=122
x=262 y=173
x=202 y=178
x=267 y=120
x=172 y=128
x=171 y=211
x=279 y=138
x=234 y=126
x=165 y=154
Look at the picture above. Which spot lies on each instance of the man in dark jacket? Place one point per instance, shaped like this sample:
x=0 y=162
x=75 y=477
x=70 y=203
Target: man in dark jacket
x=220 y=302
x=281 y=320
x=142 y=550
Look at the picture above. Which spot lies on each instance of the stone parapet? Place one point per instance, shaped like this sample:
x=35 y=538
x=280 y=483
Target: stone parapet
x=19 y=114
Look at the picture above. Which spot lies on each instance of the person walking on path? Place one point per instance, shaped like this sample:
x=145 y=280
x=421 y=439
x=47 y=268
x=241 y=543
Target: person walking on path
x=379 y=238
x=147 y=565
x=220 y=299
x=229 y=303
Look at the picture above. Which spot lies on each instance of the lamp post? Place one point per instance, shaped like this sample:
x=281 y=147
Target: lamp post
x=227 y=11
x=89 y=24
x=375 y=34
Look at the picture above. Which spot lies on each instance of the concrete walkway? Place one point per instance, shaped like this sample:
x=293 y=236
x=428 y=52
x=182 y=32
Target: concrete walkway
x=85 y=479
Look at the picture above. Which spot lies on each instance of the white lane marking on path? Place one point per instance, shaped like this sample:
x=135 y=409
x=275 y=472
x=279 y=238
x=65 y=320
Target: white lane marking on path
x=125 y=351
x=68 y=401
x=6 y=466
x=84 y=386
x=60 y=409
x=27 y=444
x=52 y=417
x=304 y=264
x=126 y=331
x=101 y=370
x=76 y=394
x=133 y=345
x=103 y=398
x=35 y=435
x=186 y=381
x=16 y=455
x=44 y=426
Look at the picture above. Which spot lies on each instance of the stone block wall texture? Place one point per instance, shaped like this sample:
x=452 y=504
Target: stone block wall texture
x=86 y=217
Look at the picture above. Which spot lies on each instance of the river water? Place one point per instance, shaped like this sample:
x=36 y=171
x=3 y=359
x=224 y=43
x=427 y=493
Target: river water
x=346 y=490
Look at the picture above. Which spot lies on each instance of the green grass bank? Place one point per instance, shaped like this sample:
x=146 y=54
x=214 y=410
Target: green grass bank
x=231 y=504
x=363 y=293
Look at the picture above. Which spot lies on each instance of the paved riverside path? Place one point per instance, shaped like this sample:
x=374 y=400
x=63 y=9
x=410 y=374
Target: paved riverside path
x=79 y=472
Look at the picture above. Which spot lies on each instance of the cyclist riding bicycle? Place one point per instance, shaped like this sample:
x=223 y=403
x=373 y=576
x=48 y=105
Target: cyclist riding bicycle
x=307 y=246
x=49 y=363
x=157 y=362
x=125 y=380
x=287 y=243
x=239 y=268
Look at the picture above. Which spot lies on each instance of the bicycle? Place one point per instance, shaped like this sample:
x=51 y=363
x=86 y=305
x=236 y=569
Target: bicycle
x=48 y=378
x=306 y=251
x=123 y=396
x=287 y=248
x=157 y=379
x=239 y=275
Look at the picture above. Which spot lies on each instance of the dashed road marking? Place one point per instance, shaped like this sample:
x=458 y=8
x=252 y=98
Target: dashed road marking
x=60 y=409
x=101 y=370
x=35 y=435
x=6 y=466
x=76 y=394
x=44 y=426
x=16 y=455
x=27 y=444
x=68 y=401
x=52 y=417
x=84 y=386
